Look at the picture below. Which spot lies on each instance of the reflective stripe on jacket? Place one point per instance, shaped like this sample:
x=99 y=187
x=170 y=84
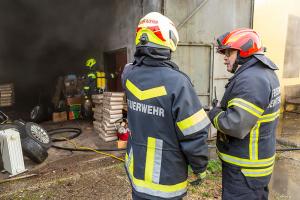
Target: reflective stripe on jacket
x=168 y=131
x=90 y=85
x=249 y=116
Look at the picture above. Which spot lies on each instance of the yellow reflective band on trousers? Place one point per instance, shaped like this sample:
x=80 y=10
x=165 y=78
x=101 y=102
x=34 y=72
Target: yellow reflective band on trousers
x=246 y=105
x=194 y=123
x=86 y=87
x=246 y=162
x=257 y=172
x=92 y=75
x=150 y=188
x=145 y=94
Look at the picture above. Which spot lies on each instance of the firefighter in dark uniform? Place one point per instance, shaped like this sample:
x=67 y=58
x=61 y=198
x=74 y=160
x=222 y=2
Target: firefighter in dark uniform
x=90 y=86
x=247 y=117
x=168 y=124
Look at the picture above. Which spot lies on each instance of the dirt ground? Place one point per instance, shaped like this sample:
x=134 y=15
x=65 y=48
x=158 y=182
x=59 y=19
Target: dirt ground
x=82 y=175
x=87 y=175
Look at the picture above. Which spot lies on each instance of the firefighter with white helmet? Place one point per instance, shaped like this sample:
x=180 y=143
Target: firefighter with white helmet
x=168 y=125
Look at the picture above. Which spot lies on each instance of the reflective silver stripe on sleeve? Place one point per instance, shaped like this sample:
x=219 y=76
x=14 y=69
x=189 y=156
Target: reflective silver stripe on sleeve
x=197 y=127
x=250 y=107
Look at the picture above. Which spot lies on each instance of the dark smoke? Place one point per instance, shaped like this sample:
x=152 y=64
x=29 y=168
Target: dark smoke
x=43 y=39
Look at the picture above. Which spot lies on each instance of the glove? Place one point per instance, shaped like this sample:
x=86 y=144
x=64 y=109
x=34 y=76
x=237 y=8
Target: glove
x=198 y=179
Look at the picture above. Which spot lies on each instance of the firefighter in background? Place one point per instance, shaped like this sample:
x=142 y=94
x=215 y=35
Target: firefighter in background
x=168 y=125
x=95 y=80
x=247 y=117
x=90 y=86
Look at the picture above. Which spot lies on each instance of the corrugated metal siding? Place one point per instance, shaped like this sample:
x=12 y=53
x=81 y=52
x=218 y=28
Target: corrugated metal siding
x=200 y=22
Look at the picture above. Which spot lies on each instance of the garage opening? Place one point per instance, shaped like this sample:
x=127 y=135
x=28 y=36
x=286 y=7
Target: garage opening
x=114 y=62
x=44 y=41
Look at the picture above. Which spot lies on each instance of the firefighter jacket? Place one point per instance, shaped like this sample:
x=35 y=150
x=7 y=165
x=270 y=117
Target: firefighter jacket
x=168 y=129
x=247 y=120
x=90 y=86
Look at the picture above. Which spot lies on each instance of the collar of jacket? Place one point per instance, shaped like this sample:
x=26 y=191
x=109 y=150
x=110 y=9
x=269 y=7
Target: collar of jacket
x=153 y=57
x=251 y=62
x=266 y=61
x=245 y=66
x=155 y=53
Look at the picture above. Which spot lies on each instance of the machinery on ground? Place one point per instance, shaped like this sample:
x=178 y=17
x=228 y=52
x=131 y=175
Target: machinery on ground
x=18 y=138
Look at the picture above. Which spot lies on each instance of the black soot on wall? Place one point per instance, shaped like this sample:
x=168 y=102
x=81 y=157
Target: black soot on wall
x=43 y=39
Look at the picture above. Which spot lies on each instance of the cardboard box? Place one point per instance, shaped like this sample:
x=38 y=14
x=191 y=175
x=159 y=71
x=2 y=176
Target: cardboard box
x=73 y=100
x=121 y=144
x=59 y=116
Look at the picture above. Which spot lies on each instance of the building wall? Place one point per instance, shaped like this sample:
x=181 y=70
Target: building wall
x=199 y=23
x=124 y=21
x=271 y=19
x=41 y=40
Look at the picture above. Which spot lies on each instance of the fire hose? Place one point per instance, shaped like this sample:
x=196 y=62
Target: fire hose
x=73 y=133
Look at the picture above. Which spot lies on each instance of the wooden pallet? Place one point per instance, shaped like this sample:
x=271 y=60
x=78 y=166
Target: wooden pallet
x=7 y=97
x=113 y=99
x=113 y=116
x=98 y=117
x=113 y=107
x=112 y=112
x=113 y=103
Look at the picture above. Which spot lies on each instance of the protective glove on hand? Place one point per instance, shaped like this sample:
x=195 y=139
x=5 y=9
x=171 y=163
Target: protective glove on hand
x=198 y=178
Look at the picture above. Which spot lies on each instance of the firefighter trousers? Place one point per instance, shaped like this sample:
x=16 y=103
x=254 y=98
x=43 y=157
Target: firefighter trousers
x=136 y=197
x=236 y=187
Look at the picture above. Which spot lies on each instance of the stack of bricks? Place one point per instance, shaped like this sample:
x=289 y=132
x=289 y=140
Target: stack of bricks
x=113 y=104
x=7 y=95
x=98 y=111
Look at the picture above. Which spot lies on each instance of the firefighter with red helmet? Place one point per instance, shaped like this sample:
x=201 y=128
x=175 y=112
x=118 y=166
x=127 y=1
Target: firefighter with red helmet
x=247 y=117
x=167 y=122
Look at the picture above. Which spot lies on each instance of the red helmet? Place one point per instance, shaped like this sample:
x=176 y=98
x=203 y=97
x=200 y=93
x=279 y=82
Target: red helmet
x=245 y=40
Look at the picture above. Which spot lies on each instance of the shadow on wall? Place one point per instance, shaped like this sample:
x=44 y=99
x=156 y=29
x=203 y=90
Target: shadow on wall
x=40 y=40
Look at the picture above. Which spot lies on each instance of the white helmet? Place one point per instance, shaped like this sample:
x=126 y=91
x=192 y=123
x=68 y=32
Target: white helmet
x=156 y=30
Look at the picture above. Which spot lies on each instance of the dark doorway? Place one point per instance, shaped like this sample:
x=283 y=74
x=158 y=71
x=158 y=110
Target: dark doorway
x=114 y=62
